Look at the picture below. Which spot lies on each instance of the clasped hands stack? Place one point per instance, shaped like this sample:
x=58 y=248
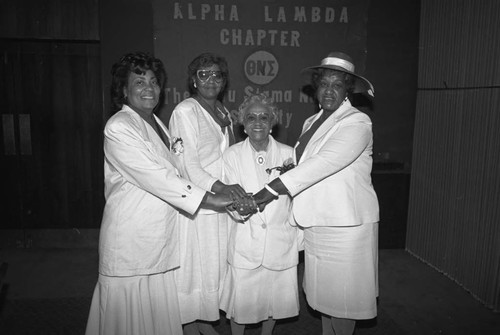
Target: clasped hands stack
x=244 y=204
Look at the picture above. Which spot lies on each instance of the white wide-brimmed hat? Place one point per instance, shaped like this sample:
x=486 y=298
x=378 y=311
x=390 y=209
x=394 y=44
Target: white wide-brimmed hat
x=341 y=62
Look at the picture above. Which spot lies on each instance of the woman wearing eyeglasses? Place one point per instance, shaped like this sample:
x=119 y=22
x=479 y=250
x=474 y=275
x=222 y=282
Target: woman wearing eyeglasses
x=205 y=127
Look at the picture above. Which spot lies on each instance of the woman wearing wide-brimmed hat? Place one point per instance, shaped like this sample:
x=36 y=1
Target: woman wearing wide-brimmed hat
x=334 y=200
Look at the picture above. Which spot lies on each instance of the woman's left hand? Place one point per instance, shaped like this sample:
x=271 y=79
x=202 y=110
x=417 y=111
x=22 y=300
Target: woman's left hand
x=263 y=198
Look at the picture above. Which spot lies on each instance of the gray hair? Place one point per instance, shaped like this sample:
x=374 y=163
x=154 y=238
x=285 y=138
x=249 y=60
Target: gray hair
x=262 y=99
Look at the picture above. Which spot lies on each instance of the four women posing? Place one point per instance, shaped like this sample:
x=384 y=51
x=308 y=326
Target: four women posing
x=174 y=236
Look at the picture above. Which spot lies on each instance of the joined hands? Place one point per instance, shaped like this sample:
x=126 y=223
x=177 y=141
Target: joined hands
x=249 y=204
x=242 y=205
x=245 y=205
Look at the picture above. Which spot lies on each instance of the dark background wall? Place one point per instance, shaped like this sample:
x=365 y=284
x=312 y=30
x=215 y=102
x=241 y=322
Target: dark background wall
x=392 y=45
x=124 y=26
x=392 y=66
x=453 y=214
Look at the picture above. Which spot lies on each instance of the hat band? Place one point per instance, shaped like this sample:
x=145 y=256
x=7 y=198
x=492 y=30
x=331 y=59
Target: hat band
x=338 y=62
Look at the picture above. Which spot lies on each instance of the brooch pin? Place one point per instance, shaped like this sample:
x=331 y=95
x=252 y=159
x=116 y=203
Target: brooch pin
x=177 y=146
x=261 y=160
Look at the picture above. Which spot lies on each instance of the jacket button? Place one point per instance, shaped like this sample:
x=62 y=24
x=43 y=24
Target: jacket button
x=189 y=187
x=264 y=226
x=183 y=195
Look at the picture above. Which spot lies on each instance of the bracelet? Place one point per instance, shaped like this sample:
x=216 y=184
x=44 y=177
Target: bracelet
x=273 y=192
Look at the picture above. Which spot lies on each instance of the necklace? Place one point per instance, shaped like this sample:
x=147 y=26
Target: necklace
x=217 y=111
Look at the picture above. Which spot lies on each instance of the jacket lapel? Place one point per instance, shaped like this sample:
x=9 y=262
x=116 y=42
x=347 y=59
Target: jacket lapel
x=307 y=124
x=152 y=139
x=327 y=128
x=164 y=129
x=213 y=125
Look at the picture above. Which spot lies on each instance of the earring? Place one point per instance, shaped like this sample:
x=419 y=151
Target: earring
x=245 y=131
x=270 y=131
x=195 y=85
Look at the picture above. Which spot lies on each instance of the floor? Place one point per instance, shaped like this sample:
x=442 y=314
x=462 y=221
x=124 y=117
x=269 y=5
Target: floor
x=47 y=291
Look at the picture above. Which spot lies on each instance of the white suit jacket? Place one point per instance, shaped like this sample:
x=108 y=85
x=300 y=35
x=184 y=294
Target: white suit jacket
x=266 y=239
x=142 y=188
x=204 y=144
x=331 y=185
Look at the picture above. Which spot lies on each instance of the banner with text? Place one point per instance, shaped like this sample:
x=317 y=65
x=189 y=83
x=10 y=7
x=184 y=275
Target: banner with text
x=266 y=44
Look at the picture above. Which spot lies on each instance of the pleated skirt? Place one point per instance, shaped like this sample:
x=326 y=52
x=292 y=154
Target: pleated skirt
x=145 y=305
x=341 y=270
x=251 y=296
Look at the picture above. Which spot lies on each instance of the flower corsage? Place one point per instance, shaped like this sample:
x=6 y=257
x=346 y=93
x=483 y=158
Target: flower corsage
x=287 y=165
x=177 y=145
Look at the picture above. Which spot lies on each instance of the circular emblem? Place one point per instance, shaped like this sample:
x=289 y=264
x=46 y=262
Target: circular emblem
x=261 y=67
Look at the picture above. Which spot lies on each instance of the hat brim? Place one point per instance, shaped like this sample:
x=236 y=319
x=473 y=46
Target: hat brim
x=361 y=84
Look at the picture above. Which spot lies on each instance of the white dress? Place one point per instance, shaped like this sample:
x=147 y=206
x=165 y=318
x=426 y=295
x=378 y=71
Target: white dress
x=261 y=281
x=203 y=236
x=138 y=242
x=135 y=305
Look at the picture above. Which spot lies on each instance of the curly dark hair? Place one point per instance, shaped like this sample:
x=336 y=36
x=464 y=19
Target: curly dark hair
x=136 y=62
x=205 y=60
x=318 y=75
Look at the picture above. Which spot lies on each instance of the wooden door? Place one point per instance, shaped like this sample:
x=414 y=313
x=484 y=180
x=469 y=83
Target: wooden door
x=52 y=122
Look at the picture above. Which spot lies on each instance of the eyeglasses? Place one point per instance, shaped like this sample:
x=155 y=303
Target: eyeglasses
x=204 y=75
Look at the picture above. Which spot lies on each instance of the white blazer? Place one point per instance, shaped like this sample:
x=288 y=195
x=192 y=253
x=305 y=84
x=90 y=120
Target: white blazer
x=139 y=233
x=204 y=144
x=266 y=239
x=331 y=185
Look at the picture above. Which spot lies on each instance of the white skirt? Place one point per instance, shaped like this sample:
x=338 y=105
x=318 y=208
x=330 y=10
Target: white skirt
x=135 y=305
x=251 y=296
x=203 y=260
x=341 y=270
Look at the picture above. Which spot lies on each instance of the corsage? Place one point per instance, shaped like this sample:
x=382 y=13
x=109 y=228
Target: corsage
x=177 y=145
x=287 y=165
